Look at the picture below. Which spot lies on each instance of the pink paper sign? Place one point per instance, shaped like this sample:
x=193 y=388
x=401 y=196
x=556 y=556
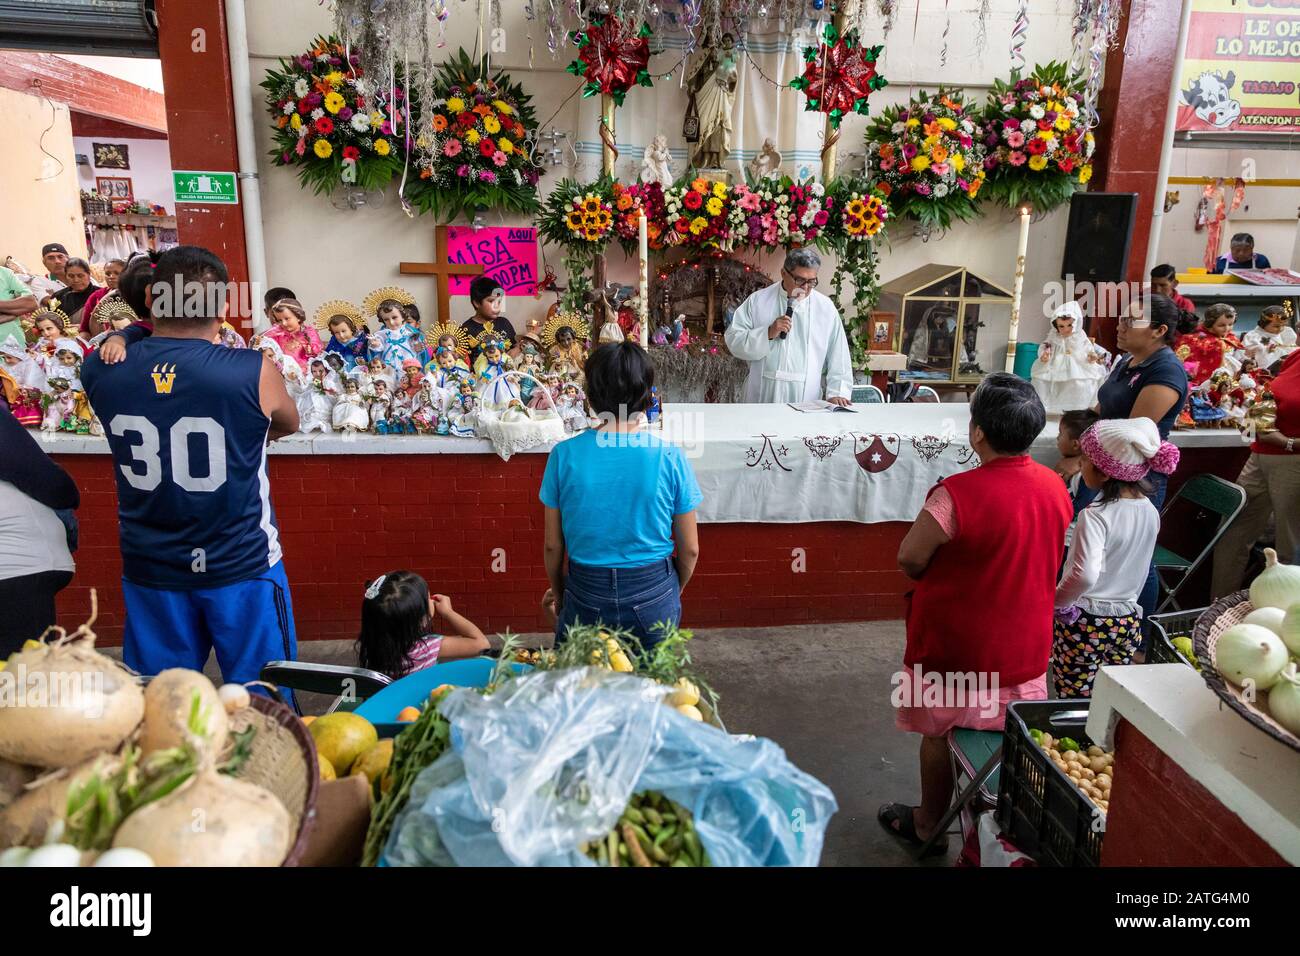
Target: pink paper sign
x=508 y=255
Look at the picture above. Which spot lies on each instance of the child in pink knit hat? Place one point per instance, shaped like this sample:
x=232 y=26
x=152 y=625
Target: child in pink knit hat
x=1098 y=618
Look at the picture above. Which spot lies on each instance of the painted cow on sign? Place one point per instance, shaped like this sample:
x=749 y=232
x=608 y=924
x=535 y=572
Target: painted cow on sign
x=1210 y=95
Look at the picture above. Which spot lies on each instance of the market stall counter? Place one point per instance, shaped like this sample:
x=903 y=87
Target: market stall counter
x=801 y=519
x=1198 y=785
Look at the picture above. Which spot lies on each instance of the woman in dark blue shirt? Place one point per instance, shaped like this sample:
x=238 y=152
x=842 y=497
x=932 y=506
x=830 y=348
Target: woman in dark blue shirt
x=1149 y=381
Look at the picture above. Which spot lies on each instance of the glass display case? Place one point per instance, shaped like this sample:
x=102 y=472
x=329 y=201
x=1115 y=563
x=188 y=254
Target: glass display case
x=953 y=325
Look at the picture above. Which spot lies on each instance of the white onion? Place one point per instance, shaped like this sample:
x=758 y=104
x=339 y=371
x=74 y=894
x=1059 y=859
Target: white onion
x=1269 y=617
x=234 y=697
x=1289 y=631
x=55 y=854
x=1248 y=652
x=1278 y=585
x=1284 y=700
x=14 y=856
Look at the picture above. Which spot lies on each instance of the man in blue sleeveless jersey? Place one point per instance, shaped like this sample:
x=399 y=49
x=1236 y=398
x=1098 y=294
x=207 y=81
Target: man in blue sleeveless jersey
x=188 y=422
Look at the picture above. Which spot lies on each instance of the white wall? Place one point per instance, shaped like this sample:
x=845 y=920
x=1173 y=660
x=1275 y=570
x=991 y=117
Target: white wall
x=323 y=253
x=1268 y=212
x=150 y=172
x=39 y=189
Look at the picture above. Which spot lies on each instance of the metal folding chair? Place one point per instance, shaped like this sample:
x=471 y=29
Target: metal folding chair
x=348 y=685
x=976 y=757
x=1212 y=495
x=868 y=394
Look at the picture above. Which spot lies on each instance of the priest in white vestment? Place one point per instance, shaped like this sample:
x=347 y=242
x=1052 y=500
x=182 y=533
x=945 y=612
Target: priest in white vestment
x=812 y=361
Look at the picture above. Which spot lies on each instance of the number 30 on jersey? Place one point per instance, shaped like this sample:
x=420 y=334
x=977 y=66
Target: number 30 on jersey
x=146 y=453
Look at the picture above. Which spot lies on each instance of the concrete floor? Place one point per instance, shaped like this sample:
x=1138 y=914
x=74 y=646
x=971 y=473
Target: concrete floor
x=822 y=693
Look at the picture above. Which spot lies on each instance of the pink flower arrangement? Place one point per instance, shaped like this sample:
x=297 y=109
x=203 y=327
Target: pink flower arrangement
x=451 y=148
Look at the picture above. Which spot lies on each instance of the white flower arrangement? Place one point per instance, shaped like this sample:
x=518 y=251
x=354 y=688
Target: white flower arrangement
x=1037 y=112
x=289 y=108
x=317 y=113
x=300 y=87
x=1028 y=127
x=941 y=189
x=360 y=123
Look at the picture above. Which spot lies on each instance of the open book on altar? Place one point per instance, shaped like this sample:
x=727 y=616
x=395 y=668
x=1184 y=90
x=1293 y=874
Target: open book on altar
x=819 y=406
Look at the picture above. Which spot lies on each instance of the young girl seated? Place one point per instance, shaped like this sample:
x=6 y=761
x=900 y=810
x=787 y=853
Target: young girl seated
x=397 y=617
x=1098 y=618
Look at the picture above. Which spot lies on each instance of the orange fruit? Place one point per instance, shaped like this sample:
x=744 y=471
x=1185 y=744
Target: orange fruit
x=306 y=721
x=407 y=714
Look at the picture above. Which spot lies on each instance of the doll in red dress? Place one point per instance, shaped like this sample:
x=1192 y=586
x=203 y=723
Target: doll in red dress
x=1212 y=346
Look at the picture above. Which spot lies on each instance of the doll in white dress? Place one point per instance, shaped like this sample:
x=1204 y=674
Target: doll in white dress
x=397 y=339
x=350 y=414
x=573 y=408
x=464 y=411
x=381 y=405
x=1067 y=373
x=498 y=387
x=316 y=403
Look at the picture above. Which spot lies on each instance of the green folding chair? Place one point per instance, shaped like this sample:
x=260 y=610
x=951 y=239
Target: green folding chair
x=1213 y=496
x=976 y=757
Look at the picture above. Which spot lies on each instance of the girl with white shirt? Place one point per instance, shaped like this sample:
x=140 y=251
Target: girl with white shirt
x=1098 y=618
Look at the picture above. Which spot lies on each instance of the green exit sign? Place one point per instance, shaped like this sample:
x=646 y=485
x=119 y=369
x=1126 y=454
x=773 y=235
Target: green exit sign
x=201 y=187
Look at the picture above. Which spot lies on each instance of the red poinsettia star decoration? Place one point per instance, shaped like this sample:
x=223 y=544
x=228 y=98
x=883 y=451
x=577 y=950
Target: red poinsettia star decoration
x=611 y=58
x=839 y=75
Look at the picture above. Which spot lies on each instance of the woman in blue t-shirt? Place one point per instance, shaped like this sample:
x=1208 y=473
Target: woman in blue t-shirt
x=1149 y=381
x=618 y=499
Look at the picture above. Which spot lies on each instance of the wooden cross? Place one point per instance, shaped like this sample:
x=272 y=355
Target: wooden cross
x=442 y=269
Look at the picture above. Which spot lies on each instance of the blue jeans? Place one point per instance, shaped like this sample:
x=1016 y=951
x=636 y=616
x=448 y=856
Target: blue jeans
x=636 y=599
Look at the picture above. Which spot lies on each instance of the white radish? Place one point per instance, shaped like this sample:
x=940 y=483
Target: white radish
x=211 y=820
x=169 y=707
x=55 y=854
x=38 y=815
x=234 y=697
x=123 y=856
x=68 y=703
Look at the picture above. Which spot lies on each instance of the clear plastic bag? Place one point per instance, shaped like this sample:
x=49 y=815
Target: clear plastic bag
x=551 y=759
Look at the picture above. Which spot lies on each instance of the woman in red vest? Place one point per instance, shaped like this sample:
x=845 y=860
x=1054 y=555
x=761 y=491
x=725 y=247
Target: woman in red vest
x=984 y=553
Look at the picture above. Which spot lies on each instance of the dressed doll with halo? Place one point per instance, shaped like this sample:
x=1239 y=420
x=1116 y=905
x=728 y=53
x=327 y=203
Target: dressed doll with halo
x=1066 y=375
x=453 y=337
x=350 y=412
x=27 y=375
x=498 y=388
x=316 y=403
x=397 y=339
x=563 y=336
x=348 y=334
x=530 y=365
x=51 y=326
x=426 y=407
x=445 y=373
x=68 y=354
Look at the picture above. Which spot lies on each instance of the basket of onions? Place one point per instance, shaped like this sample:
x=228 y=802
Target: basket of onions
x=113 y=771
x=1253 y=640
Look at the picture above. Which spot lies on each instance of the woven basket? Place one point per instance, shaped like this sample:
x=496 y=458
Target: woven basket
x=284 y=762
x=1218 y=617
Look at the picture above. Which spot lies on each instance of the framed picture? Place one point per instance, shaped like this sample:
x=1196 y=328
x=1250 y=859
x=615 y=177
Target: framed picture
x=881 y=327
x=112 y=156
x=115 y=187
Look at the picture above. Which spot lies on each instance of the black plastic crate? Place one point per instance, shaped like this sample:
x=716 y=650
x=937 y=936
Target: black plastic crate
x=1164 y=628
x=1038 y=806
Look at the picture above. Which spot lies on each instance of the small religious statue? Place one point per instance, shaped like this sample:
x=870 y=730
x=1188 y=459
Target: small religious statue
x=316 y=403
x=766 y=163
x=350 y=412
x=713 y=95
x=380 y=405
x=657 y=166
x=464 y=412
x=563 y=335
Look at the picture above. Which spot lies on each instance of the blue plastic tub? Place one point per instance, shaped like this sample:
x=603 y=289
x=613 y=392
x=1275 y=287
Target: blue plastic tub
x=413 y=689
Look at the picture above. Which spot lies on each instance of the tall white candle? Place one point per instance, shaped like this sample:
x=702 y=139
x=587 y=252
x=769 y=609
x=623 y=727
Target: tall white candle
x=1021 y=249
x=645 y=279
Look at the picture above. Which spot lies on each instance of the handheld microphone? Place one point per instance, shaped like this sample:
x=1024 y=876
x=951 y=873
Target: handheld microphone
x=789 y=311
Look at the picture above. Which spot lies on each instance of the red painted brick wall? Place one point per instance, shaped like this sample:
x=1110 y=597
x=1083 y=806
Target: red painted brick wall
x=83 y=89
x=345 y=519
x=1159 y=816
